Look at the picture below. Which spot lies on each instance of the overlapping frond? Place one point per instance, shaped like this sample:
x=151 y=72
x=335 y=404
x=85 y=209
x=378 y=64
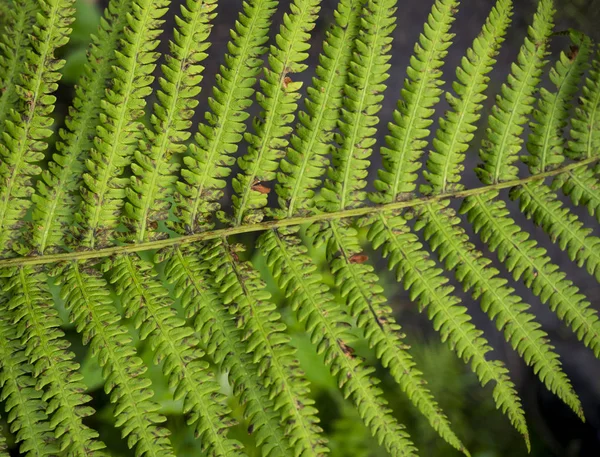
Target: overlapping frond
x=525 y=259
x=26 y=411
x=327 y=326
x=19 y=22
x=201 y=300
x=546 y=147
x=429 y=288
x=57 y=192
x=358 y=285
x=29 y=123
x=90 y=306
x=278 y=100
x=582 y=185
x=264 y=336
x=146 y=301
x=55 y=371
x=121 y=128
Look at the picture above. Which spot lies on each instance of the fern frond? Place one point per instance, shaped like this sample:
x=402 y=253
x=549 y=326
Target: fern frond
x=536 y=200
x=56 y=199
x=585 y=134
x=444 y=164
x=147 y=302
x=90 y=306
x=540 y=204
x=53 y=366
x=20 y=19
x=210 y=158
x=445 y=235
x=358 y=286
x=118 y=136
x=264 y=337
x=524 y=258
x=153 y=174
x=327 y=324
x=362 y=97
x=505 y=124
x=278 y=99
x=545 y=143
x=196 y=286
x=29 y=126
x=412 y=118
x=582 y=187
x=23 y=402
x=429 y=287
x=306 y=159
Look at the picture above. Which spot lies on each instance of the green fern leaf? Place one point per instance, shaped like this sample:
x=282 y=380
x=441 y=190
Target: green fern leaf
x=90 y=307
x=13 y=44
x=444 y=164
x=23 y=403
x=121 y=128
x=146 y=301
x=28 y=126
x=53 y=367
x=194 y=282
x=509 y=114
x=154 y=175
x=327 y=326
x=56 y=198
x=412 y=118
x=364 y=298
x=278 y=99
x=427 y=286
x=362 y=98
x=264 y=337
x=304 y=163
x=209 y=161
x=524 y=258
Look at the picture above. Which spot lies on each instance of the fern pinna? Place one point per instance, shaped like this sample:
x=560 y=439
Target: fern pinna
x=125 y=209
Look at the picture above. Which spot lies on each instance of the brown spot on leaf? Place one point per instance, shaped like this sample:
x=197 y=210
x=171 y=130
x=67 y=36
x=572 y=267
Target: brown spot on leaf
x=358 y=258
x=573 y=53
x=260 y=188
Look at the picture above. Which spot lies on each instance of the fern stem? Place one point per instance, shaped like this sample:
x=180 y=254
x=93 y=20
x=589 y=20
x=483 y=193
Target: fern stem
x=262 y=226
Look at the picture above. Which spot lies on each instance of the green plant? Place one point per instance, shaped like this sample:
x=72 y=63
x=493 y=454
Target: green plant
x=111 y=211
